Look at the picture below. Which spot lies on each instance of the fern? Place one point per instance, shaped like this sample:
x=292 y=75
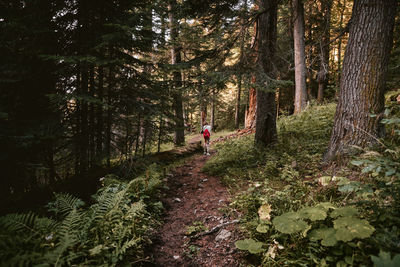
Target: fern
x=103 y=234
x=64 y=204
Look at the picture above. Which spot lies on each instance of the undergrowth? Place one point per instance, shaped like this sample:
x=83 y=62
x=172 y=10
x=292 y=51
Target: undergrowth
x=113 y=230
x=299 y=213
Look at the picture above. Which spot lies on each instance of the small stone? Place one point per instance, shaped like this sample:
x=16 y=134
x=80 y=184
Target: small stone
x=177 y=199
x=223 y=235
x=176 y=257
x=200 y=185
x=205 y=180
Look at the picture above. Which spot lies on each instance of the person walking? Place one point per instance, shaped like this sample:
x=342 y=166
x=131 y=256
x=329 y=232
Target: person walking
x=206 y=131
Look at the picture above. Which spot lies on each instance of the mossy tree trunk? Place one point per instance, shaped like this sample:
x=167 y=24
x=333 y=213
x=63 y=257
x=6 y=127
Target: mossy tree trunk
x=362 y=83
x=265 y=49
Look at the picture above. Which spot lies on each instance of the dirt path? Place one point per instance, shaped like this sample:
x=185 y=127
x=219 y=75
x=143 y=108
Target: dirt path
x=195 y=200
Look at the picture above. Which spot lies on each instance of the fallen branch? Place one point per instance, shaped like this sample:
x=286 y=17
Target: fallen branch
x=214 y=229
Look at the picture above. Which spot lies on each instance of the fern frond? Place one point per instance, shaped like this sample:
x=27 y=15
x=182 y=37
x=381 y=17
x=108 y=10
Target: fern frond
x=64 y=203
x=18 y=223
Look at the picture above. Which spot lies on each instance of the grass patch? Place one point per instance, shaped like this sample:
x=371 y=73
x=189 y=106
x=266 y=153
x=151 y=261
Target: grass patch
x=297 y=213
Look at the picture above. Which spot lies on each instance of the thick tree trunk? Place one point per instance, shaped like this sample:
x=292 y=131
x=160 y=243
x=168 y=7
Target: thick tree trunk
x=300 y=100
x=363 y=79
x=179 y=134
x=265 y=47
x=324 y=51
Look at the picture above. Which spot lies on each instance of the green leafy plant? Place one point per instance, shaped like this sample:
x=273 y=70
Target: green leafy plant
x=115 y=227
x=346 y=226
x=384 y=260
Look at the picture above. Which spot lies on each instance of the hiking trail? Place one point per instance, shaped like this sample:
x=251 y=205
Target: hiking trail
x=195 y=201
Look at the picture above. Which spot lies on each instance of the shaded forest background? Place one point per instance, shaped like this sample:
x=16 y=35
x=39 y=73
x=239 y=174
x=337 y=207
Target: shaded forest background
x=92 y=93
x=85 y=83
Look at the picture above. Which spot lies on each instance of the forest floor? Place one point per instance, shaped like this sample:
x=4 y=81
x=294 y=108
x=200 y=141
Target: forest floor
x=197 y=230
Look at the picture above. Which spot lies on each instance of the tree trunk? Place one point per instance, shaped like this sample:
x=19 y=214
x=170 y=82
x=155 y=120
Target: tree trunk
x=363 y=79
x=300 y=100
x=250 y=120
x=109 y=117
x=324 y=51
x=213 y=110
x=239 y=76
x=179 y=134
x=265 y=47
x=84 y=135
x=237 y=109
x=92 y=126
x=99 y=115
x=340 y=42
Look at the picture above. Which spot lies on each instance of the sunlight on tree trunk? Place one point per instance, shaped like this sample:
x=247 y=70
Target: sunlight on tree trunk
x=300 y=101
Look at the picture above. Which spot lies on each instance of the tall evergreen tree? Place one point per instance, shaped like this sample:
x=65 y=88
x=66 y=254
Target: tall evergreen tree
x=362 y=84
x=265 y=49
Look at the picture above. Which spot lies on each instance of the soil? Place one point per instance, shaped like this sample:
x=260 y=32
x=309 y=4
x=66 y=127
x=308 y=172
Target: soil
x=196 y=200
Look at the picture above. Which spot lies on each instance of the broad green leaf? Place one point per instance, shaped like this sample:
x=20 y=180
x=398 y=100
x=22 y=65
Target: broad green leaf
x=313 y=213
x=341 y=180
x=250 y=245
x=325 y=206
x=244 y=244
x=390 y=172
x=256 y=247
x=357 y=162
x=262 y=228
x=341 y=264
x=368 y=168
x=384 y=260
x=327 y=235
x=350 y=187
x=348 y=228
x=264 y=212
x=344 y=212
x=289 y=223
x=325 y=180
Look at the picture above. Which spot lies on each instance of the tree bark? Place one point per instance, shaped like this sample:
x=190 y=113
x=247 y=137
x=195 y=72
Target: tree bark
x=213 y=110
x=250 y=120
x=324 y=51
x=300 y=100
x=340 y=42
x=237 y=109
x=179 y=134
x=363 y=79
x=109 y=116
x=265 y=47
x=99 y=115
